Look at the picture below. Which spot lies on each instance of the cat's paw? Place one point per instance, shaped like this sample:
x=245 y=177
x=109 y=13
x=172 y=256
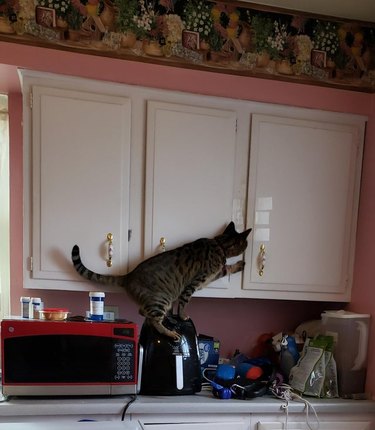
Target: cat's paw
x=176 y=336
x=237 y=267
x=183 y=316
x=172 y=333
x=165 y=331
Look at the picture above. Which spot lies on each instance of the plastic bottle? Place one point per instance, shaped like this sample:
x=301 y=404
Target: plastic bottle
x=289 y=355
x=25 y=307
x=350 y=332
x=36 y=306
x=96 y=305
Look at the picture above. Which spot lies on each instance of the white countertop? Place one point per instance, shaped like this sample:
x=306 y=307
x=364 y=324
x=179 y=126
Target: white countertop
x=205 y=402
x=199 y=403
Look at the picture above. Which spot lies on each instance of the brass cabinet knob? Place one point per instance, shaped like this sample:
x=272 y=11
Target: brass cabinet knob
x=110 y=249
x=261 y=259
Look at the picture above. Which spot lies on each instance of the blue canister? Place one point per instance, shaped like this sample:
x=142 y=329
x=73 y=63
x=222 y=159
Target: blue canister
x=96 y=305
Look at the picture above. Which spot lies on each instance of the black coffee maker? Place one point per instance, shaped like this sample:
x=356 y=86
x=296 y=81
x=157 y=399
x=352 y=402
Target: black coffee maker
x=170 y=367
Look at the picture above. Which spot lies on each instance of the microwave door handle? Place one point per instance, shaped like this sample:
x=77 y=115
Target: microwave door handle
x=179 y=372
x=140 y=366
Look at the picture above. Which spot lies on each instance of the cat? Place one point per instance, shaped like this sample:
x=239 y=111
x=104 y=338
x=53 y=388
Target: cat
x=158 y=282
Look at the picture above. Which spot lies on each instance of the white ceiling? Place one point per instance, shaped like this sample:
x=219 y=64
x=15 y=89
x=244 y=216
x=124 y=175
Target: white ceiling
x=362 y=10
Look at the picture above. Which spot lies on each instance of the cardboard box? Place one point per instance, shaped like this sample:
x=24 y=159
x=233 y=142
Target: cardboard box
x=209 y=351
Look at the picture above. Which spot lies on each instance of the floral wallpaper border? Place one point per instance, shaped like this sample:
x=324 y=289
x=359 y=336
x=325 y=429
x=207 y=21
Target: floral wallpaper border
x=225 y=36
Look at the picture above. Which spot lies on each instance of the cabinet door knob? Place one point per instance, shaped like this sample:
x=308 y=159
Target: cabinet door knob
x=163 y=242
x=110 y=249
x=261 y=259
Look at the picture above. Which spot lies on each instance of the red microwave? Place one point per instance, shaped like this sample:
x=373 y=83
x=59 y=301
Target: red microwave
x=68 y=357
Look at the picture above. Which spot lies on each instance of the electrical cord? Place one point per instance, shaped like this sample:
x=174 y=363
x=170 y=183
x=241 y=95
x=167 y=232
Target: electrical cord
x=284 y=392
x=126 y=407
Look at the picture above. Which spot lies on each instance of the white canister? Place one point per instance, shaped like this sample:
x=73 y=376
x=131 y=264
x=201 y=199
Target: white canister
x=96 y=305
x=36 y=306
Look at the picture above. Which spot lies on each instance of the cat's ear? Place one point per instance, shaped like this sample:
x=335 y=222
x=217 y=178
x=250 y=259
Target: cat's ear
x=230 y=229
x=246 y=233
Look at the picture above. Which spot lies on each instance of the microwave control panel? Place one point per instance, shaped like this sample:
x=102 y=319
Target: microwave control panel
x=125 y=360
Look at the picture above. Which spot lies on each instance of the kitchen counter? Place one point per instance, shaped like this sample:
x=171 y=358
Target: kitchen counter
x=205 y=403
x=111 y=408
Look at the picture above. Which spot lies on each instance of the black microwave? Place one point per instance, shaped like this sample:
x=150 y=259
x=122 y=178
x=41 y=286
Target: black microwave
x=68 y=357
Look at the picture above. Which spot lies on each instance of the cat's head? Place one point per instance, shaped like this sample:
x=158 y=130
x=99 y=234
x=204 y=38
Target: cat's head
x=231 y=242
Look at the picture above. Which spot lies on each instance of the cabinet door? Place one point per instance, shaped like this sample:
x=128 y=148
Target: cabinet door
x=191 y=153
x=198 y=421
x=333 y=425
x=80 y=184
x=232 y=425
x=303 y=197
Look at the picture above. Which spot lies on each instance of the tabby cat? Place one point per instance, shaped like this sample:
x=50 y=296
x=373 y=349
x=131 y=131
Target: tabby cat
x=156 y=283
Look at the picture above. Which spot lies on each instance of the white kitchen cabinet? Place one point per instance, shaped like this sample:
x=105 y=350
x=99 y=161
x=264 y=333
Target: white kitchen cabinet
x=254 y=418
x=77 y=176
x=199 y=411
x=145 y=164
x=302 y=202
x=86 y=147
x=202 y=425
x=190 y=174
x=194 y=421
x=85 y=425
x=335 y=424
x=196 y=426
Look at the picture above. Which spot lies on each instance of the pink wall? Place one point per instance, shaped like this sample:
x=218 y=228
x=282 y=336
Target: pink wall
x=363 y=297
x=237 y=323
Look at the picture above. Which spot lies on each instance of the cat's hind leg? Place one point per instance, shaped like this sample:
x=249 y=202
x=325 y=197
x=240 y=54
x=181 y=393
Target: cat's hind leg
x=156 y=317
x=183 y=300
x=158 y=325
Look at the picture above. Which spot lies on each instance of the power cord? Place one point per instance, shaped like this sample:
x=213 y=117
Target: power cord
x=285 y=392
x=126 y=407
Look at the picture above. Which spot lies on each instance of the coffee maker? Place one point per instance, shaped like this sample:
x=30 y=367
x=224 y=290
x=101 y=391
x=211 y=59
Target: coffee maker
x=170 y=367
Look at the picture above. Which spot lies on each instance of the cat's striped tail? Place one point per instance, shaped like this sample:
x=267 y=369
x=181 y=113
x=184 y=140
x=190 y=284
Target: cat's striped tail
x=89 y=274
